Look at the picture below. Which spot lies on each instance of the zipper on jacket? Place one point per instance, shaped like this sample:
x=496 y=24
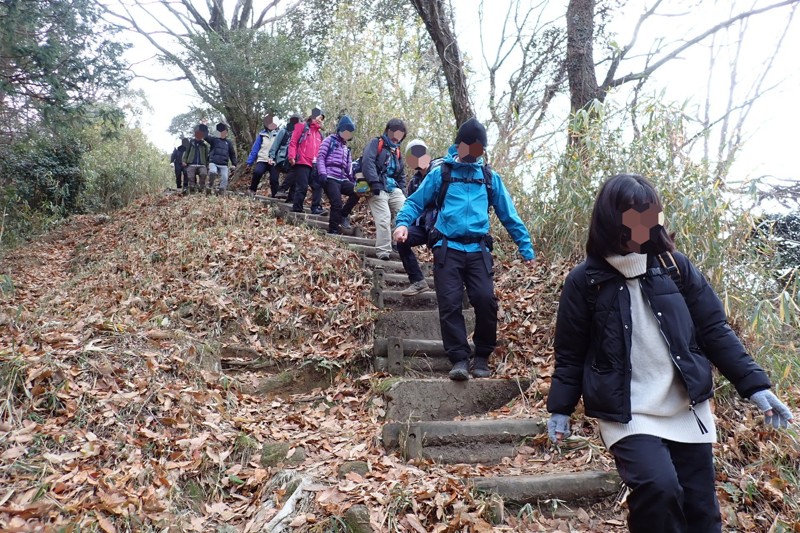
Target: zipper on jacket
x=692 y=402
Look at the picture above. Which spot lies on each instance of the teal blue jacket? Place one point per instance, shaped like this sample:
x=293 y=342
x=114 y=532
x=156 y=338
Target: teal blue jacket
x=466 y=207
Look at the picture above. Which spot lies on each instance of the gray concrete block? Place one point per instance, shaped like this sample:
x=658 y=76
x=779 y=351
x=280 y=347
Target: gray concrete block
x=462 y=441
x=394 y=299
x=568 y=487
x=444 y=399
x=421 y=324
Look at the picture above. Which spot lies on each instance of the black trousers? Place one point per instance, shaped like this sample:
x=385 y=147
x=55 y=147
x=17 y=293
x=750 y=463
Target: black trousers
x=334 y=189
x=453 y=270
x=417 y=235
x=261 y=168
x=179 y=177
x=302 y=173
x=672 y=485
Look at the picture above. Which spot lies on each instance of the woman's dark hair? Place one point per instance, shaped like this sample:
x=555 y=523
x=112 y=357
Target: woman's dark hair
x=607 y=235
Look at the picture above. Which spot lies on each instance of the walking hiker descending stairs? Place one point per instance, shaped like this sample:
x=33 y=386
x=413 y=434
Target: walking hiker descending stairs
x=463 y=189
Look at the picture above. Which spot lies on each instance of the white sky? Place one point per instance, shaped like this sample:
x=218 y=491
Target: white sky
x=771 y=145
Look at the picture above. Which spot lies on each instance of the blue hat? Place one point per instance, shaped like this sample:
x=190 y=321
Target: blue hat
x=346 y=124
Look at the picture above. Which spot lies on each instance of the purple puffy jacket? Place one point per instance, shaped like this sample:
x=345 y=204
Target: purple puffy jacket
x=334 y=159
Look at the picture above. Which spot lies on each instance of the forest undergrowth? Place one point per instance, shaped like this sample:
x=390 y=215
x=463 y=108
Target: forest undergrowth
x=116 y=413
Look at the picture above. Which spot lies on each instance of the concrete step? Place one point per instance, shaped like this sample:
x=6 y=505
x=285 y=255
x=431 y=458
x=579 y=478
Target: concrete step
x=307 y=216
x=388 y=266
x=443 y=399
x=422 y=324
x=323 y=226
x=414 y=357
x=371 y=251
x=364 y=241
x=462 y=441
x=394 y=299
x=394 y=280
x=567 y=487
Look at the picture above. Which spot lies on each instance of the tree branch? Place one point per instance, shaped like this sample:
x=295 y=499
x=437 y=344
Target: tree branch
x=672 y=55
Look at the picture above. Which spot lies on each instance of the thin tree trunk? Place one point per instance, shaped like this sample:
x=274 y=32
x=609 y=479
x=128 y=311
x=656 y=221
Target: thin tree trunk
x=583 y=87
x=433 y=13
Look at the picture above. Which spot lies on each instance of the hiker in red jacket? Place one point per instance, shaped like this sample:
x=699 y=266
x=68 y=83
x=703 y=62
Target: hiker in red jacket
x=303 y=150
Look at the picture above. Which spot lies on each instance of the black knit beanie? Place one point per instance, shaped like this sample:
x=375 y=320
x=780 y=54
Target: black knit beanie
x=470 y=132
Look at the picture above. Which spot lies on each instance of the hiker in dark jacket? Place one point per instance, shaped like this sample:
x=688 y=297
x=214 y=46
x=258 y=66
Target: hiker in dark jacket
x=222 y=152
x=382 y=167
x=195 y=161
x=279 y=153
x=335 y=167
x=419 y=160
x=462 y=245
x=637 y=330
x=260 y=154
x=177 y=160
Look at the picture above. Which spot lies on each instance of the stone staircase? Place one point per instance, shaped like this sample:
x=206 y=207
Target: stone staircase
x=423 y=404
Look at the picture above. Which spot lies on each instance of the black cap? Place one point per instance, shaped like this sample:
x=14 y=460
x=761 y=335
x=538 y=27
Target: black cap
x=203 y=128
x=471 y=132
x=221 y=127
x=396 y=124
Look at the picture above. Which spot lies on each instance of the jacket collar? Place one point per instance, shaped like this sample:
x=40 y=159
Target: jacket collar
x=599 y=271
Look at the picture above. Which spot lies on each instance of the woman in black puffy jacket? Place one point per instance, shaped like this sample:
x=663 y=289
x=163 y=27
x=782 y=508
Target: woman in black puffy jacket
x=638 y=328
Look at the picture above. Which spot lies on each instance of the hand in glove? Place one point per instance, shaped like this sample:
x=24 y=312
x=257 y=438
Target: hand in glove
x=376 y=190
x=558 y=427
x=775 y=411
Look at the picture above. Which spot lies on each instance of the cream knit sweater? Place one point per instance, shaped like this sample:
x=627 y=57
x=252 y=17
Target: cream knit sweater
x=659 y=403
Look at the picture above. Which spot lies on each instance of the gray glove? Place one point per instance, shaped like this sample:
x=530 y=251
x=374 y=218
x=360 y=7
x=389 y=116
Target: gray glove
x=558 y=423
x=766 y=401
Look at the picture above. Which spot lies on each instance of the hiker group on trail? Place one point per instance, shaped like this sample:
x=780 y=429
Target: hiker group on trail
x=638 y=326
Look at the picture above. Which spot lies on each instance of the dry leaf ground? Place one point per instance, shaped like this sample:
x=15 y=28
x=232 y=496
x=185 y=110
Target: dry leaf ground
x=115 y=414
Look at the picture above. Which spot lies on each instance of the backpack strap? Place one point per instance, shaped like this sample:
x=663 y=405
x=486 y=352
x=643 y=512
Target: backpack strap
x=447 y=179
x=303 y=135
x=667 y=261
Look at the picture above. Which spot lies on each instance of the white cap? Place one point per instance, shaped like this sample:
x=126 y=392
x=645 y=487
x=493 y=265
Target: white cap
x=415 y=142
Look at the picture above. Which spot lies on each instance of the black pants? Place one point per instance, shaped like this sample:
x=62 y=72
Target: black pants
x=302 y=173
x=452 y=271
x=334 y=189
x=259 y=170
x=672 y=485
x=416 y=236
x=179 y=177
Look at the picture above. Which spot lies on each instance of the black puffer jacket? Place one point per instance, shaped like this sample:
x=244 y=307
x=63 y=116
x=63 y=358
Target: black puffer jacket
x=592 y=347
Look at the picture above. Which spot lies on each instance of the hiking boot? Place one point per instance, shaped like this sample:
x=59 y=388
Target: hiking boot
x=460 y=371
x=415 y=288
x=319 y=211
x=383 y=256
x=480 y=367
x=346 y=223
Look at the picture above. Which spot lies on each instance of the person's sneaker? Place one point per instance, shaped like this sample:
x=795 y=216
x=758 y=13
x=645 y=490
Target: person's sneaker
x=480 y=367
x=333 y=233
x=460 y=371
x=415 y=288
x=346 y=223
x=383 y=256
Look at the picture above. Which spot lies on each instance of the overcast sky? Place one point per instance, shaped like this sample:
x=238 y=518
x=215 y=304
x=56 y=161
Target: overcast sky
x=772 y=141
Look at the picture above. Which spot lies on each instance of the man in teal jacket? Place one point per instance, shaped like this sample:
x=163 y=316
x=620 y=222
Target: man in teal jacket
x=462 y=245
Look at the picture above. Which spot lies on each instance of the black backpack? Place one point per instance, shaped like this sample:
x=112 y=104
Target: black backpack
x=435 y=235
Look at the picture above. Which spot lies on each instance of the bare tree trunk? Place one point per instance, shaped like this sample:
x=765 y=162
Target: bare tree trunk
x=434 y=14
x=583 y=87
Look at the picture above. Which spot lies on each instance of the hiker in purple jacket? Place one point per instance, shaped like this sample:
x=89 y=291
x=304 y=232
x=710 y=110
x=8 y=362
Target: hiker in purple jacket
x=335 y=167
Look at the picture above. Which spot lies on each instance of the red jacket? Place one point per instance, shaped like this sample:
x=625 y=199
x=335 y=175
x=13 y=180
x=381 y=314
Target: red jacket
x=306 y=152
